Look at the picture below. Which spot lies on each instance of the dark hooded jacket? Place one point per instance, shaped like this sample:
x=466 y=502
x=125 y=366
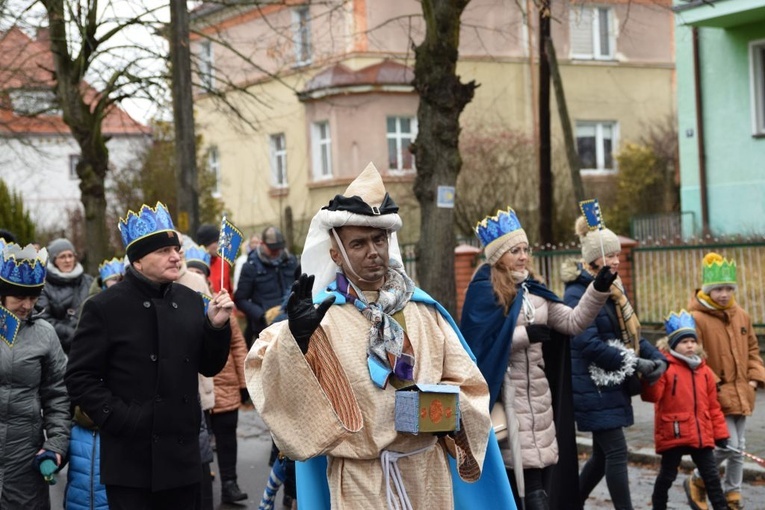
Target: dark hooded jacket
x=34 y=412
x=605 y=407
x=61 y=299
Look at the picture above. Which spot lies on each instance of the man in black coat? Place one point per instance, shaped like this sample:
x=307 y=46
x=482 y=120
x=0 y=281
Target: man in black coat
x=265 y=281
x=133 y=370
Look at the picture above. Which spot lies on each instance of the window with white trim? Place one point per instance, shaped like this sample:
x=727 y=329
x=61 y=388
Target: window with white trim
x=301 y=35
x=321 y=146
x=278 y=145
x=757 y=80
x=74 y=160
x=34 y=102
x=213 y=165
x=595 y=144
x=401 y=133
x=207 y=65
x=592 y=32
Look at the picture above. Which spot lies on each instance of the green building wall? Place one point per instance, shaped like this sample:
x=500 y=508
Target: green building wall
x=735 y=159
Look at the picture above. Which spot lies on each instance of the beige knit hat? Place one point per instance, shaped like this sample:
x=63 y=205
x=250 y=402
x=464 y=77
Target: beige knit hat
x=590 y=240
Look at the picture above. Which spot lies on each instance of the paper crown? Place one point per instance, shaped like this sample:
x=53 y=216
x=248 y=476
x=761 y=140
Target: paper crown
x=494 y=228
x=23 y=267
x=111 y=269
x=718 y=271
x=193 y=251
x=678 y=325
x=148 y=221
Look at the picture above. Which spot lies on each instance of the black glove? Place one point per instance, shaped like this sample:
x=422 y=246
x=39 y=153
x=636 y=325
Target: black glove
x=645 y=366
x=302 y=316
x=244 y=395
x=538 y=333
x=604 y=279
x=721 y=443
x=654 y=375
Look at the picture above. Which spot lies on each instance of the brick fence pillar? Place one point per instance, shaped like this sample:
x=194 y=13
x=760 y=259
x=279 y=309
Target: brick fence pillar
x=626 y=267
x=466 y=258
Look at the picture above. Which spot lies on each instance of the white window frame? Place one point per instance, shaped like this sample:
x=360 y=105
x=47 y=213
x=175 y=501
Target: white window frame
x=207 y=65
x=757 y=85
x=398 y=136
x=27 y=102
x=301 y=35
x=594 y=12
x=321 y=149
x=74 y=159
x=213 y=165
x=278 y=148
x=600 y=156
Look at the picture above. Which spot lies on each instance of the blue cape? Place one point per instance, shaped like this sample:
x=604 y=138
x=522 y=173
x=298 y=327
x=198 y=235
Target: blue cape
x=488 y=331
x=492 y=490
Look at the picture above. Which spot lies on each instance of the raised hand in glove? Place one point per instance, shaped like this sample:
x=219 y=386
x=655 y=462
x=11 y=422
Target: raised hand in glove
x=721 y=443
x=660 y=367
x=538 y=333
x=604 y=279
x=302 y=316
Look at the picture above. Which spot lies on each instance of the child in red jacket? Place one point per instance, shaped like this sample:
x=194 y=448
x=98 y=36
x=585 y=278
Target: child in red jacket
x=688 y=418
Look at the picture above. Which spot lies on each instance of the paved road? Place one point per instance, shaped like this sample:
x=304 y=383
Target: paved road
x=255 y=445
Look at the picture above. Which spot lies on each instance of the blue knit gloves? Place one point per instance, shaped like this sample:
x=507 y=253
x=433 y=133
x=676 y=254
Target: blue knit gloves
x=46 y=463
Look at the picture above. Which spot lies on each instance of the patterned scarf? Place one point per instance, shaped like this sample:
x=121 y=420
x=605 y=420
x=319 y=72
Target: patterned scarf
x=628 y=320
x=386 y=336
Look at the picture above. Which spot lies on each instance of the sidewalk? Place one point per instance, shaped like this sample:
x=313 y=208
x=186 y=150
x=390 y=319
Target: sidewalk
x=641 y=445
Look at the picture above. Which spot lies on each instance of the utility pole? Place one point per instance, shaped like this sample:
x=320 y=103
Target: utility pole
x=545 y=150
x=183 y=116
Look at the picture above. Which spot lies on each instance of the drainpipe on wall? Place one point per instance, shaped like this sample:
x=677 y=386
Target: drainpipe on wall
x=700 y=134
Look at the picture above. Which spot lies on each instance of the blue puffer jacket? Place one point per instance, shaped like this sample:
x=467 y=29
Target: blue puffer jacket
x=83 y=488
x=606 y=407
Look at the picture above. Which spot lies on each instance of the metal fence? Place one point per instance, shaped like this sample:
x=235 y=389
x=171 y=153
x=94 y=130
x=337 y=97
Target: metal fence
x=666 y=276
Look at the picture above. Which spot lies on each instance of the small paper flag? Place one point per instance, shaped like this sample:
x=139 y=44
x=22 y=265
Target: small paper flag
x=592 y=215
x=9 y=326
x=229 y=241
x=206 y=299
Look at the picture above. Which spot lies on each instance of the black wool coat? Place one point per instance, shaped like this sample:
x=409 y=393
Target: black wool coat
x=133 y=369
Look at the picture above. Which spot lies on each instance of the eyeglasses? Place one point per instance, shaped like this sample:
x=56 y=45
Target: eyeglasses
x=526 y=250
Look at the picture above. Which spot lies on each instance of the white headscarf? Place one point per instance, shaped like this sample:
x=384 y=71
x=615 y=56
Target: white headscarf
x=316 y=260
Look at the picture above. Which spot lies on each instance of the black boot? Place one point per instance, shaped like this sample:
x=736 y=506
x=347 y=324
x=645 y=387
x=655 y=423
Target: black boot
x=231 y=493
x=537 y=500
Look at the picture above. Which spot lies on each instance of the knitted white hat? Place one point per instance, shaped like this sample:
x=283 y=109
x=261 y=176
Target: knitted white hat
x=591 y=239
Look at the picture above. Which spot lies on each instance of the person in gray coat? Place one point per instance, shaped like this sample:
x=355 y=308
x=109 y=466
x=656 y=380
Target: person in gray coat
x=66 y=288
x=34 y=407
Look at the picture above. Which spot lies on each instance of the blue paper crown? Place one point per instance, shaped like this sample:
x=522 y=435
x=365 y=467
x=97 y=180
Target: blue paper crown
x=495 y=227
x=148 y=221
x=677 y=324
x=23 y=267
x=111 y=269
x=193 y=251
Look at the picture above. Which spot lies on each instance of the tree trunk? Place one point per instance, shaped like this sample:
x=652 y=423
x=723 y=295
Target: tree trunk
x=183 y=115
x=545 y=146
x=442 y=99
x=574 y=164
x=84 y=121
